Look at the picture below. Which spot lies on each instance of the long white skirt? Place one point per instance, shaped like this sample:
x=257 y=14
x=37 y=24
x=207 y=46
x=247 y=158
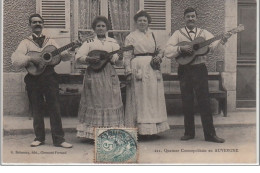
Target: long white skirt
x=145 y=101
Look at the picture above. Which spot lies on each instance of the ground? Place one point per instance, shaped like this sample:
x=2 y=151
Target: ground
x=240 y=147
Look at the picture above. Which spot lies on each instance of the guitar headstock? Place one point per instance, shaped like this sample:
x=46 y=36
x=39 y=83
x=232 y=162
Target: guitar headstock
x=239 y=28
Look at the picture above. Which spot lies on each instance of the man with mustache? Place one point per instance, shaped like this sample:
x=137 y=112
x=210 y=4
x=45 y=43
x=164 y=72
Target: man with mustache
x=193 y=77
x=41 y=88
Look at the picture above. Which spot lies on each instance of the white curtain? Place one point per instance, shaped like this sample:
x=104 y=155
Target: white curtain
x=88 y=10
x=119 y=12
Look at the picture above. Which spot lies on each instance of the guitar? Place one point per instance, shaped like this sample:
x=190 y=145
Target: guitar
x=49 y=56
x=200 y=46
x=105 y=57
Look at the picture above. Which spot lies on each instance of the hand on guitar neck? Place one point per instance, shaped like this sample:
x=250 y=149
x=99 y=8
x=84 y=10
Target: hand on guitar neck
x=225 y=38
x=200 y=46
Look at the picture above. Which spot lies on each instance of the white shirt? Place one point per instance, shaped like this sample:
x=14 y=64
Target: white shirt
x=107 y=44
x=142 y=42
x=19 y=57
x=192 y=33
x=173 y=51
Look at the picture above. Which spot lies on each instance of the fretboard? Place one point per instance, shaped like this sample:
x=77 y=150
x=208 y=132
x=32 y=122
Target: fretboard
x=57 y=51
x=208 y=42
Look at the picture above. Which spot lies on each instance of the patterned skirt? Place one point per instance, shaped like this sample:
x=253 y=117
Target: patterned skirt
x=101 y=102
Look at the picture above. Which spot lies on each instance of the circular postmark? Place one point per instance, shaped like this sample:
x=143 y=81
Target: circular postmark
x=116 y=146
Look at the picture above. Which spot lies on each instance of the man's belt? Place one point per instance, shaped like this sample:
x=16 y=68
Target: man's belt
x=145 y=54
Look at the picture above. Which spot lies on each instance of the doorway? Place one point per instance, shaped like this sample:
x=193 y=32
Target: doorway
x=246 y=60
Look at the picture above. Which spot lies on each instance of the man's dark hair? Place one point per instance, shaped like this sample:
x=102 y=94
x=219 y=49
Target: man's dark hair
x=98 y=19
x=35 y=15
x=141 y=14
x=190 y=9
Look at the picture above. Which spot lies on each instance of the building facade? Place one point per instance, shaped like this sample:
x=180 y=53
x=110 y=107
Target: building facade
x=70 y=20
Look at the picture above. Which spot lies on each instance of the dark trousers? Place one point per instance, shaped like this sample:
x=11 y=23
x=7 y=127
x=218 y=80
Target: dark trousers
x=44 y=90
x=194 y=79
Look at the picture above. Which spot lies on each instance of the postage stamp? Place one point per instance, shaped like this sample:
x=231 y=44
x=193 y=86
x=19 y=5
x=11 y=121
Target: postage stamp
x=116 y=145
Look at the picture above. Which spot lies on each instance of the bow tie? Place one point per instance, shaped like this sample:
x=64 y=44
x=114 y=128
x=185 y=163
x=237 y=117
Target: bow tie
x=38 y=40
x=192 y=32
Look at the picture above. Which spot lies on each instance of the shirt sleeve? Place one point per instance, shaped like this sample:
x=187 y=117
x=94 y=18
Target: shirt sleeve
x=19 y=57
x=128 y=55
x=115 y=59
x=82 y=53
x=172 y=50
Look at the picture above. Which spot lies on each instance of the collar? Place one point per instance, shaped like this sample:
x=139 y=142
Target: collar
x=194 y=30
x=96 y=38
x=37 y=35
x=148 y=31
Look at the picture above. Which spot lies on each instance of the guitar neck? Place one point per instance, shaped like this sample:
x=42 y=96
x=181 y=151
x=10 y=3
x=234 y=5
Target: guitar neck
x=122 y=49
x=208 y=42
x=57 y=51
x=113 y=52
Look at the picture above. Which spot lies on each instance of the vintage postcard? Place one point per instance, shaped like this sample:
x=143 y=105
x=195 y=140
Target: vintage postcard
x=132 y=82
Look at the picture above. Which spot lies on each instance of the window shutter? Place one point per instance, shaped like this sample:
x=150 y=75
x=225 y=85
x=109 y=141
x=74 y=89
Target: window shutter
x=54 y=13
x=157 y=10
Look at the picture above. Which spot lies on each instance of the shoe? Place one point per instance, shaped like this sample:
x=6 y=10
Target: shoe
x=214 y=139
x=36 y=143
x=186 y=137
x=64 y=145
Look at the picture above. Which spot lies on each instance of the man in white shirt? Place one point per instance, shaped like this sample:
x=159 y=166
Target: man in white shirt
x=193 y=76
x=41 y=88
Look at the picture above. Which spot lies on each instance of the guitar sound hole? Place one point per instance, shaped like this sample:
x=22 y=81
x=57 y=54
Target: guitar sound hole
x=196 y=46
x=46 y=56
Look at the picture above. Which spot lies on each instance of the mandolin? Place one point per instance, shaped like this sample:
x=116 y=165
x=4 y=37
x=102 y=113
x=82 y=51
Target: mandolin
x=105 y=57
x=200 y=46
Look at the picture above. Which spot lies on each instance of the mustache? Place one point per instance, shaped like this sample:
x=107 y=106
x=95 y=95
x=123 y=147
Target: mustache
x=38 y=26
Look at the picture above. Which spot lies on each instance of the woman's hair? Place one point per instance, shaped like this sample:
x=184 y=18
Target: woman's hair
x=35 y=15
x=98 y=19
x=141 y=14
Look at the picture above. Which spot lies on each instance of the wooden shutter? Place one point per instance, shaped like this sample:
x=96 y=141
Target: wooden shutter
x=55 y=13
x=159 y=11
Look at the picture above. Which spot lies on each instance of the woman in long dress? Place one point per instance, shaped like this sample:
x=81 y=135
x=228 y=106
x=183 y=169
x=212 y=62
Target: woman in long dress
x=101 y=104
x=145 y=101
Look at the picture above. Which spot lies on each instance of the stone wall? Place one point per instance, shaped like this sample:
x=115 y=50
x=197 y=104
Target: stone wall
x=15 y=27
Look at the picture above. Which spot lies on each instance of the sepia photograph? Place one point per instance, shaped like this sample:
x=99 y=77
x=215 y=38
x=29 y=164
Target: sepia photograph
x=129 y=82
